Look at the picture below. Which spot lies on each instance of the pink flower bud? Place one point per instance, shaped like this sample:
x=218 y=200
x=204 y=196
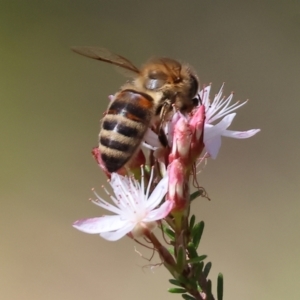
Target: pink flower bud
x=171 y=126
x=181 y=140
x=178 y=191
x=97 y=156
x=187 y=136
x=197 y=123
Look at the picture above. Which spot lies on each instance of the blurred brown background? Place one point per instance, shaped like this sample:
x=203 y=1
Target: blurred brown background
x=51 y=103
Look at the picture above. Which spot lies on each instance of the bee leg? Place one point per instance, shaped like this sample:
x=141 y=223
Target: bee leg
x=162 y=137
x=164 y=109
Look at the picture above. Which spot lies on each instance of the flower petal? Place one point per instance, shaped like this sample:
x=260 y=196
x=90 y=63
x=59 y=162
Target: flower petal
x=133 y=207
x=211 y=131
x=158 y=193
x=240 y=134
x=159 y=213
x=213 y=145
x=102 y=203
x=151 y=138
x=98 y=225
x=225 y=122
x=116 y=235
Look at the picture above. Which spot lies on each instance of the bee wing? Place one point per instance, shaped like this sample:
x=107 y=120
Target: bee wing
x=105 y=55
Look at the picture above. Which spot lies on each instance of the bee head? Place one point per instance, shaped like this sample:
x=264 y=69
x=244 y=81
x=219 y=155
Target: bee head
x=175 y=81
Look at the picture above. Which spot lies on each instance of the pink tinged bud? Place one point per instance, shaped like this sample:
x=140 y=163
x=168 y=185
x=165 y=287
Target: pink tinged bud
x=171 y=126
x=178 y=191
x=181 y=140
x=97 y=156
x=176 y=179
x=197 y=123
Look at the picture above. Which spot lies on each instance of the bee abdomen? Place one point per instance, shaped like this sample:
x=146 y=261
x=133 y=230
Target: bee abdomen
x=132 y=105
x=116 y=149
x=123 y=128
x=115 y=145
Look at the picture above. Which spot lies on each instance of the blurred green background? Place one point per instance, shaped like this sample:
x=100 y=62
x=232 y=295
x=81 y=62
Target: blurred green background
x=51 y=104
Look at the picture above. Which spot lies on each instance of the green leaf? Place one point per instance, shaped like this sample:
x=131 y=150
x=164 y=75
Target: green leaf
x=195 y=195
x=193 y=284
x=192 y=222
x=170 y=233
x=197 y=233
x=198 y=269
x=187 y=297
x=171 y=250
x=207 y=269
x=208 y=289
x=196 y=259
x=183 y=279
x=220 y=286
x=176 y=290
x=175 y=282
x=192 y=251
x=180 y=258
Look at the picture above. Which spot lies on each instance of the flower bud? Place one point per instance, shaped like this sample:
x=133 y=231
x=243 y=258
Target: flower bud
x=197 y=123
x=178 y=191
x=181 y=140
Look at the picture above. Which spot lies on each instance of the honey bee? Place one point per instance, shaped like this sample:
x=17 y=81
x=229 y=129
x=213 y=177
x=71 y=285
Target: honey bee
x=140 y=103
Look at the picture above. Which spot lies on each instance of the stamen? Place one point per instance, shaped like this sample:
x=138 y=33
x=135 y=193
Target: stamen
x=106 y=191
x=96 y=194
x=142 y=179
x=203 y=96
x=124 y=190
x=225 y=110
x=150 y=182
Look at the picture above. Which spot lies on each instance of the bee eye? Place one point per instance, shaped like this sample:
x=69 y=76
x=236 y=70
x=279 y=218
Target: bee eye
x=157 y=75
x=194 y=85
x=155 y=80
x=197 y=100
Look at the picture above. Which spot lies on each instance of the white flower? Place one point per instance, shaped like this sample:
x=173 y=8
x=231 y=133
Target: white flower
x=135 y=211
x=218 y=108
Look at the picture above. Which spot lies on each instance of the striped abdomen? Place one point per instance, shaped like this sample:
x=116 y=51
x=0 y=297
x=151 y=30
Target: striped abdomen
x=123 y=128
